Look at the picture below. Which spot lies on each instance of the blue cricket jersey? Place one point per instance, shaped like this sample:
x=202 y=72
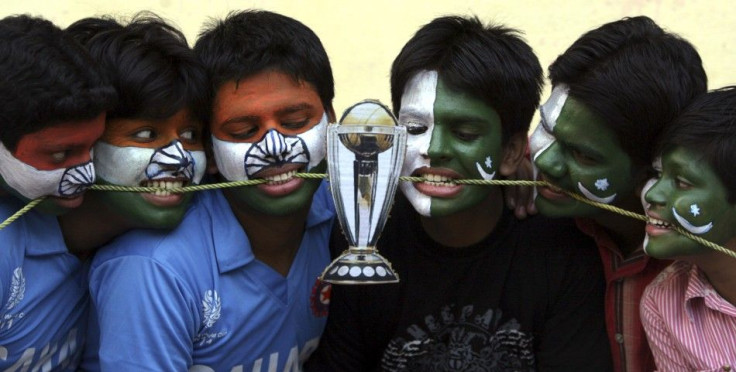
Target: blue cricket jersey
x=196 y=298
x=43 y=289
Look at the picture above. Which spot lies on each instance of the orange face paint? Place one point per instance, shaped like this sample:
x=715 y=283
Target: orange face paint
x=61 y=145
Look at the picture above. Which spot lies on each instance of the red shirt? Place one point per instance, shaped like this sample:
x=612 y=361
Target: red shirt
x=626 y=279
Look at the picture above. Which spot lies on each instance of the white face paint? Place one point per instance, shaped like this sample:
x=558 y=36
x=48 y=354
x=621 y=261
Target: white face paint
x=32 y=183
x=648 y=185
x=239 y=161
x=697 y=230
x=417 y=108
x=133 y=166
x=489 y=164
x=542 y=138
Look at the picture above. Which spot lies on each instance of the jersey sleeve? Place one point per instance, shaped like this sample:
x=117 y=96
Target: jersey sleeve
x=146 y=318
x=574 y=334
x=666 y=356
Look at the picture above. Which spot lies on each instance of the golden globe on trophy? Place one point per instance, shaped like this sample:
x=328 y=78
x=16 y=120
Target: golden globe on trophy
x=365 y=152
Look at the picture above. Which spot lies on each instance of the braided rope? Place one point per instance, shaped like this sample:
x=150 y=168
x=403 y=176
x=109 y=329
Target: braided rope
x=220 y=185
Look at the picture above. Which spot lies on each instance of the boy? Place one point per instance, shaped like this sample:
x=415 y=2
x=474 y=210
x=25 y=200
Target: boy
x=613 y=91
x=689 y=310
x=229 y=288
x=52 y=110
x=478 y=289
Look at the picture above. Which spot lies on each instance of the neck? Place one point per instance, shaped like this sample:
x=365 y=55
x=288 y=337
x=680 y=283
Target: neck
x=466 y=227
x=718 y=268
x=91 y=225
x=626 y=232
x=274 y=240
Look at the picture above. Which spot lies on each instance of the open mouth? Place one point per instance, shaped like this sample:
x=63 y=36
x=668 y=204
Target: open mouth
x=164 y=186
x=438 y=180
x=659 y=223
x=279 y=179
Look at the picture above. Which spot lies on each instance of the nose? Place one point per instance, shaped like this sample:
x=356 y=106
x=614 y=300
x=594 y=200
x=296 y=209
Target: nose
x=551 y=161
x=275 y=144
x=657 y=193
x=440 y=148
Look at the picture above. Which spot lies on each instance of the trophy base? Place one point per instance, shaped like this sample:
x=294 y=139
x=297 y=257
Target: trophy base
x=359 y=266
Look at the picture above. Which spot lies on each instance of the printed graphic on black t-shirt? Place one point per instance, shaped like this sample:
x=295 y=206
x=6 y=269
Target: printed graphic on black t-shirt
x=461 y=339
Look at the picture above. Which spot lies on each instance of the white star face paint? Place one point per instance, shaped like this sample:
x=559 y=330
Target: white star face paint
x=489 y=164
x=239 y=161
x=417 y=110
x=697 y=230
x=135 y=166
x=33 y=183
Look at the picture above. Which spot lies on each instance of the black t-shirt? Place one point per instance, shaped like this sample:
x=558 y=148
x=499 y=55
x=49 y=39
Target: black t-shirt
x=527 y=297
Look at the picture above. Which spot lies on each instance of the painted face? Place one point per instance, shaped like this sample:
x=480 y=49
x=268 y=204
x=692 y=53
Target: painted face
x=158 y=153
x=689 y=194
x=450 y=136
x=55 y=161
x=269 y=126
x=574 y=149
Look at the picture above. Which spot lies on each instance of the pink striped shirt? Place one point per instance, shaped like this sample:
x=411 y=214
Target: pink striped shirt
x=690 y=327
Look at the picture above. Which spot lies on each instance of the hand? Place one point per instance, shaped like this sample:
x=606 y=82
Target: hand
x=521 y=198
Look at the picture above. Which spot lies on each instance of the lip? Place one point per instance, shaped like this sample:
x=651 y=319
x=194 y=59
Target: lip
x=656 y=226
x=440 y=188
x=69 y=202
x=164 y=198
x=282 y=181
x=549 y=193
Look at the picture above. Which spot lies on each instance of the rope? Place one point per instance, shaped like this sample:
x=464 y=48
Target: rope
x=221 y=185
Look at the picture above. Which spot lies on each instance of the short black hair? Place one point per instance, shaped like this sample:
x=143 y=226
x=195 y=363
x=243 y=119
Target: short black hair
x=634 y=76
x=46 y=78
x=248 y=42
x=150 y=65
x=708 y=127
x=492 y=63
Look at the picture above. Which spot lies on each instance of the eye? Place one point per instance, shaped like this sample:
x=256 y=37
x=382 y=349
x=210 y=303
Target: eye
x=59 y=156
x=583 y=158
x=245 y=132
x=415 y=128
x=295 y=125
x=144 y=135
x=466 y=135
x=189 y=135
x=683 y=184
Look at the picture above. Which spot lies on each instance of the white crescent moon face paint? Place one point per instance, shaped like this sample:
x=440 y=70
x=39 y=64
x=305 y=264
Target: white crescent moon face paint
x=240 y=161
x=135 y=166
x=33 y=183
x=417 y=109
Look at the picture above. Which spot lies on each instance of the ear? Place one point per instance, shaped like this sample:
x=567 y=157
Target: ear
x=331 y=117
x=513 y=152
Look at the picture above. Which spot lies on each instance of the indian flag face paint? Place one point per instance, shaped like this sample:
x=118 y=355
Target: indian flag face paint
x=688 y=194
x=576 y=151
x=166 y=167
x=451 y=135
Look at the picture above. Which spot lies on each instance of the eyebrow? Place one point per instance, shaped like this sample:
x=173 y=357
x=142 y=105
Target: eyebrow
x=294 y=108
x=413 y=113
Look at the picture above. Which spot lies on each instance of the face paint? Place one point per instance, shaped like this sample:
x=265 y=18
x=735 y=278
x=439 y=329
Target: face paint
x=240 y=161
x=584 y=156
x=451 y=135
x=129 y=159
x=269 y=126
x=54 y=161
x=688 y=193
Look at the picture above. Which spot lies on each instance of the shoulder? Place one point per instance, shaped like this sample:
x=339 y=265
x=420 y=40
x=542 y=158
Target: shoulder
x=673 y=278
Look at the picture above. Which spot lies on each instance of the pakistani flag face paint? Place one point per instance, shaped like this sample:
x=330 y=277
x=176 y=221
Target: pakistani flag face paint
x=451 y=135
x=55 y=162
x=574 y=150
x=270 y=127
x=688 y=194
x=156 y=153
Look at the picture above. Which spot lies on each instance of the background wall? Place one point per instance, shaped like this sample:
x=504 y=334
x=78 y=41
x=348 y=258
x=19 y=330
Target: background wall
x=363 y=37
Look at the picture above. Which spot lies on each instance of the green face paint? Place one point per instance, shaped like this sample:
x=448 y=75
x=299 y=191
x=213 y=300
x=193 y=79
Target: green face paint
x=585 y=157
x=689 y=194
x=452 y=135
